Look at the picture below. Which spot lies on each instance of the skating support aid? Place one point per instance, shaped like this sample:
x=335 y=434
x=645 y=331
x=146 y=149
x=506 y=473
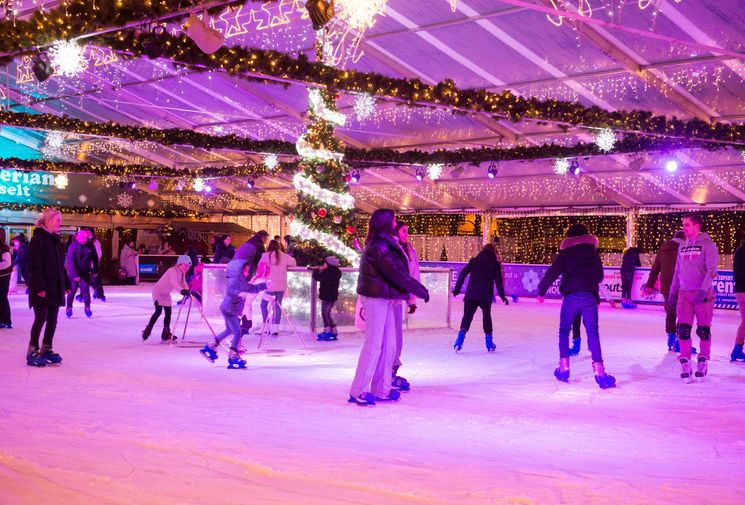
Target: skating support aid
x=267 y=325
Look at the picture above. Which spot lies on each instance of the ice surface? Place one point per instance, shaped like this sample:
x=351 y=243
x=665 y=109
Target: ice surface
x=122 y=422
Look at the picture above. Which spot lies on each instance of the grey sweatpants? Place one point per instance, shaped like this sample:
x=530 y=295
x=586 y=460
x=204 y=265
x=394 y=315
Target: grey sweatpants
x=379 y=349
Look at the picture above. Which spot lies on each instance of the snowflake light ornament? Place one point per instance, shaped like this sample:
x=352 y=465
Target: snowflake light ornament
x=67 y=58
x=561 y=166
x=124 y=200
x=434 y=171
x=271 y=162
x=61 y=181
x=364 y=106
x=605 y=140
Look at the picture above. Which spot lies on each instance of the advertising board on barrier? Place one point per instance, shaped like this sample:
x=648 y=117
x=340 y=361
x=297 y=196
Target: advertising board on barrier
x=522 y=280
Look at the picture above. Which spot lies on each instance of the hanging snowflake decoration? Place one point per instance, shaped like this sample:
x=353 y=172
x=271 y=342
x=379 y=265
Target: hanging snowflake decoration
x=199 y=184
x=82 y=199
x=150 y=203
x=53 y=145
x=561 y=166
x=270 y=161
x=605 y=140
x=124 y=200
x=67 y=58
x=434 y=171
x=364 y=106
x=61 y=181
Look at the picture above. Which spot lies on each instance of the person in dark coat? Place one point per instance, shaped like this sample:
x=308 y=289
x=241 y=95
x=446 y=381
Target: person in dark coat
x=47 y=284
x=664 y=269
x=485 y=274
x=6 y=268
x=224 y=252
x=629 y=263
x=82 y=266
x=383 y=285
x=581 y=270
x=328 y=276
x=251 y=250
x=738 y=261
x=20 y=257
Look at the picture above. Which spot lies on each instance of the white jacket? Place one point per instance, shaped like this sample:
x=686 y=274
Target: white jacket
x=278 y=271
x=172 y=280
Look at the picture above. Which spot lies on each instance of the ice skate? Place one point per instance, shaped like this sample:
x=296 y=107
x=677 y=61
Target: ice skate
x=576 y=344
x=393 y=396
x=737 y=354
x=362 y=400
x=88 y=312
x=490 y=346
x=672 y=340
x=167 y=336
x=562 y=372
x=68 y=313
x=146 y=333
x=208 y=353
x=459 y=340
x=604 y=380
x=685 y=369
x=34 y=358
x=235 y=361
x=325 y=335
x=702 y=367
x=52 y=357
x=400 y=383
x=332 y=335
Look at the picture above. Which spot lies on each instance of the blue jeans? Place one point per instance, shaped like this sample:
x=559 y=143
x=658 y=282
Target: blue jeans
x=278 y=295
x=232 y=327
x=583 y=304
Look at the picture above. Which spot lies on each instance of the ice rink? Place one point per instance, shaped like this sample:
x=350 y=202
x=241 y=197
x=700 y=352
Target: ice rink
x=122 y=422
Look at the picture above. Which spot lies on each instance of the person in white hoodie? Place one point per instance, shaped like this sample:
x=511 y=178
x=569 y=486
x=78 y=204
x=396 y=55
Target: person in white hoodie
x=402 y=230
x=692 y=293
x=278 y=262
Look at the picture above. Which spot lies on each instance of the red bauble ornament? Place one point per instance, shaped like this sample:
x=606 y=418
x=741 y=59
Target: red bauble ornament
x=347 y=178
x=322 y=212
x=351 y=229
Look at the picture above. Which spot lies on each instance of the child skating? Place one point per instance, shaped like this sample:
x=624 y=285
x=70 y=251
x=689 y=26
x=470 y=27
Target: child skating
x=173 y=280
x=239 y=289
x=328 y=276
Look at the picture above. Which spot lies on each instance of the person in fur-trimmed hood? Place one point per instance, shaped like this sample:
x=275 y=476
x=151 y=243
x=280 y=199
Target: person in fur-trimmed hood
x=581 y=270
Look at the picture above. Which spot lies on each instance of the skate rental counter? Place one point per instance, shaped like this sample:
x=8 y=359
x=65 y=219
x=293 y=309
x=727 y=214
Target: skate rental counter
x=303 y=307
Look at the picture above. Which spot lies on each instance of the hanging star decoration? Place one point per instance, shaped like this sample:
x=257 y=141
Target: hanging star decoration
x=605 y=140
x=67 y=58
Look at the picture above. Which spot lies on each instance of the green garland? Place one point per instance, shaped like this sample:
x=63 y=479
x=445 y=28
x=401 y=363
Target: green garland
x=252 y=170
x=168 y=214
x=81 y=17
x=172 y=136
x=282 y=66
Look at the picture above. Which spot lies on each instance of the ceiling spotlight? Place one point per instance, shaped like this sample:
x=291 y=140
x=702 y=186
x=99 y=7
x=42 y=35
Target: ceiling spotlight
x=491 y=173
x=355 y=176
x=574 y=168
x=671 y=166
x=207 y=188
x=250 y=183
x=42 y=69
x=320 y=11
x=128 y=184
x=419 y=174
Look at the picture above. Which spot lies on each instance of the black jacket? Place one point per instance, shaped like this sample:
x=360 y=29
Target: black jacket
x=224 y=253
x=739 y=264
x=21 y=257
x=82 y=260
x=46 y=270
x=630 y=260
x=486 y=272
x=579 y=265
x=328 y=289
x=384 y=272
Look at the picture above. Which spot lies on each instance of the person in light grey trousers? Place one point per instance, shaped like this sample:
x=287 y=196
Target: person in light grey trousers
x=383 y=285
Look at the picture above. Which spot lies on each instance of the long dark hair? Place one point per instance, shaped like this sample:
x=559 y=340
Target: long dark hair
x=2 y=236
x=488 y=252
x=404 y=245
x=381 y=223
x=275 y=248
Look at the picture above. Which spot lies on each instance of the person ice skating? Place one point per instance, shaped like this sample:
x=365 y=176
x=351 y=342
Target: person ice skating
x=197 y=281
x=692 y=293
x=402 y=230
x=581 y=270
x=128 y=262
x=577 y=324
x=328 y=276
x=739 y=266
x=382 y=285
x=485 y=274
x=6 y=269
x=224 y=251
x=238 y=289
x=664 y=269
x=48 y=284
x=96 y=279
x=82 y=266
x=251 y=251
x=20 y=258
x=278 y=263
x=629 y=263
x=173 y=280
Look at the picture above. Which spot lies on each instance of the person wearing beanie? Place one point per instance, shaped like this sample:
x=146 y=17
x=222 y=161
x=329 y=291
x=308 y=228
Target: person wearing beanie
x=173 y=280
x=581 y=270
x=664 y=269
x=692 y=294
x=328 y=277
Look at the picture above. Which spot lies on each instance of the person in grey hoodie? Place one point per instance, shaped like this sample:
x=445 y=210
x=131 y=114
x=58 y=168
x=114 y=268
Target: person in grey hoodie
x=692 y=293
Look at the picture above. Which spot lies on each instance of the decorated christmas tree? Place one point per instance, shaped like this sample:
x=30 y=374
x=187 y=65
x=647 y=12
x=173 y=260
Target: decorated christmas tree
x=325 y=217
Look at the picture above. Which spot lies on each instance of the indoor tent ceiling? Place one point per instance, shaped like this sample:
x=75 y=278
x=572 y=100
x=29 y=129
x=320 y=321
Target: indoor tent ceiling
x=640 y=54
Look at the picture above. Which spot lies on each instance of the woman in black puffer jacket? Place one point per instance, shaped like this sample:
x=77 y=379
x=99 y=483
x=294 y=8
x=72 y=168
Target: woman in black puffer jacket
x=383 y=284
x=47 y=286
